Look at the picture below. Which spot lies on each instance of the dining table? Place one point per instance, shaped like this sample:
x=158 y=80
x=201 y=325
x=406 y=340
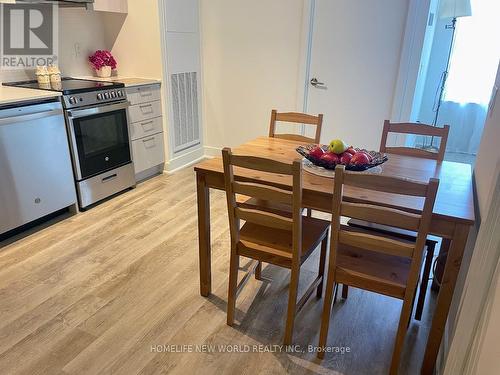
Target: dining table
x=452 y=217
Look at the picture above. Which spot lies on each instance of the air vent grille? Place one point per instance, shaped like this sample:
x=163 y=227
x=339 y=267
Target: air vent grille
x=185 y=110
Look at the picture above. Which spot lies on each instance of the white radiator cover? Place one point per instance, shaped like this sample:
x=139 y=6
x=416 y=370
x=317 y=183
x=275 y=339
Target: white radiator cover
x=185 y=111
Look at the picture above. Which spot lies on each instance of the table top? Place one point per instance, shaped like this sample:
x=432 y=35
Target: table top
x=454 y=200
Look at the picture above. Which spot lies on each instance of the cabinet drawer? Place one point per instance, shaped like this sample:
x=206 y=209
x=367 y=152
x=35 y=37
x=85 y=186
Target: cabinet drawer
x=143 y=94
x=144 y=128
x=145 y=111
x=148 y=152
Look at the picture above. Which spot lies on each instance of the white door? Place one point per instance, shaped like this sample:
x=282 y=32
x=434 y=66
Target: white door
x=356 y=48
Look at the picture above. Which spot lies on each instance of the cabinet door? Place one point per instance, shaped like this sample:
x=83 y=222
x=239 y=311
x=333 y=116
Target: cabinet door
x=143 y=94
x=145 y=128
x=148 y=152
x=145 y=111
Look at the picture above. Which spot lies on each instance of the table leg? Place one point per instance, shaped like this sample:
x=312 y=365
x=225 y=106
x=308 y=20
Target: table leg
x=203 y=195
x=441 y=262
x=451 y=270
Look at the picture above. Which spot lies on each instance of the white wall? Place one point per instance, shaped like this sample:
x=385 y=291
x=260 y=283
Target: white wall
x=134 y=39
x=81 y=33
x=467 y=312
x=250 y=60
x=488 y=157
x=488 y=360
x=77 y=28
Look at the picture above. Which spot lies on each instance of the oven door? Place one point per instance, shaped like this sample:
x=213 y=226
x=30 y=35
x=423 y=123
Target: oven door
x=99 y=139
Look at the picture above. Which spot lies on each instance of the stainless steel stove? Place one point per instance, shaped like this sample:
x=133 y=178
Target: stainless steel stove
x=98 y=131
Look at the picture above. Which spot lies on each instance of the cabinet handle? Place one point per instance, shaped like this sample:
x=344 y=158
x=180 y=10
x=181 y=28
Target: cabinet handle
x=147 y=93
x=148 y=139
x=150 y=106
x=143 y=124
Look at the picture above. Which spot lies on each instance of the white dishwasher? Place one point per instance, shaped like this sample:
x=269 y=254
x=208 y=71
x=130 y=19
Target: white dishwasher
x=36 y=176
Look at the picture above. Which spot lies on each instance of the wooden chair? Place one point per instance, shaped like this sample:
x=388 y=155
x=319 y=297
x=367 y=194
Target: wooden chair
x=414 y=129
x=270 y=237
x=371 y=260
x=296 y=118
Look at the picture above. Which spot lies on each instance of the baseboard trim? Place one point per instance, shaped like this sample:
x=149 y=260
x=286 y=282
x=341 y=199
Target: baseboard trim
x=190 y=158
x=184 y=160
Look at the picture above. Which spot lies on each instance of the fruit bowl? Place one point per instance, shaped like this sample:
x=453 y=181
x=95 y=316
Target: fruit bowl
x=377 y=158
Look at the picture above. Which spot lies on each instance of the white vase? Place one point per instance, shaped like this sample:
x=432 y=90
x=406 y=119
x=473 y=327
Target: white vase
x=104 y=72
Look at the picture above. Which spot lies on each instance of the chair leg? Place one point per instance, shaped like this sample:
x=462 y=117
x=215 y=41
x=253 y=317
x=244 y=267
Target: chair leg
x=258 y=271
x=345 y=291
x=233 y=285
x=431 y=246
x=406 y=310
x=327 y=309
x=411 y=308
x=292 y=303
x=322 y=261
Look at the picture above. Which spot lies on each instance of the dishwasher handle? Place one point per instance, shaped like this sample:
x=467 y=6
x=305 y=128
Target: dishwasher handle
x=30 y=117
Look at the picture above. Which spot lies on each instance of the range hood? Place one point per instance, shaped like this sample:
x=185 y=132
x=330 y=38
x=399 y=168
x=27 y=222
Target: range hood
x=62 y=3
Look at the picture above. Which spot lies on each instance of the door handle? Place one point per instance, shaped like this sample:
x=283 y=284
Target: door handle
x=317 y=83
x=30 y=117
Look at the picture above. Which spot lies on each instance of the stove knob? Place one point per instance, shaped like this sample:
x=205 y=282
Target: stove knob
x=106 y=95
x=99 y=96
x=120 y=93
x=113 y=94
x=72 y=100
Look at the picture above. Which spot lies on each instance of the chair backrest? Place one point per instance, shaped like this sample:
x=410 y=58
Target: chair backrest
x=415 y=129
x=379 y=214
x=264 y=192
x=296 y=118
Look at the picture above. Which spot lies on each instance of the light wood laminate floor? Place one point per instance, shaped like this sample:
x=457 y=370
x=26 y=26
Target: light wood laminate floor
x=108 y=290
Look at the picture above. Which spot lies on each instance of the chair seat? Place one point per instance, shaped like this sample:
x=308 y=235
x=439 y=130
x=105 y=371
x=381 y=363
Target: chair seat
x=369 y=270
x=274 y=246
x=397 y=232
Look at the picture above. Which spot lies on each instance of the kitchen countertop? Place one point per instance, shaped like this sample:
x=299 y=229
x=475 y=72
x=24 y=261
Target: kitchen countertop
x=9 y=95
x=128 y=81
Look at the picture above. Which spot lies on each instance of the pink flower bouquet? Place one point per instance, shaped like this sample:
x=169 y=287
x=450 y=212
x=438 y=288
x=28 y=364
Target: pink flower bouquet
x=102 y=58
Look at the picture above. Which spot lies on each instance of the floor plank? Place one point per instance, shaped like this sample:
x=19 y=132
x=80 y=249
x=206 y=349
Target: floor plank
x=110 y=289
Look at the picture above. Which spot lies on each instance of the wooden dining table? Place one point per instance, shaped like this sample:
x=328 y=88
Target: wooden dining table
x=452 y=217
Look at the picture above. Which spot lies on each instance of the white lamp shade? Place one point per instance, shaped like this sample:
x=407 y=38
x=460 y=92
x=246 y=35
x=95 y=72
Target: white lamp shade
x=455 y=8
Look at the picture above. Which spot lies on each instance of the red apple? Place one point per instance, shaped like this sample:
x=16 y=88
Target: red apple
x=316 y=152
x=351 y=150
x=345 y=158
x=360 y=158
x=367 y=154
x=330 y=157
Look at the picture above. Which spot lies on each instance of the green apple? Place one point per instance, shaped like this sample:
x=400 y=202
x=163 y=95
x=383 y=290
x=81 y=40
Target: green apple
x=337 y=146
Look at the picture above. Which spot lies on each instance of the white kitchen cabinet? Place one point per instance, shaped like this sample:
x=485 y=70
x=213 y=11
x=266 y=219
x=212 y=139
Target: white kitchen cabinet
x=144 y=111
x=115 y=6
x=148 y=152
x=146 y=130
x=143 y=94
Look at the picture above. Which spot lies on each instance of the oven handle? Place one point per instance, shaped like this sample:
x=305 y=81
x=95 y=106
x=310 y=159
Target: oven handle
x=94 y=111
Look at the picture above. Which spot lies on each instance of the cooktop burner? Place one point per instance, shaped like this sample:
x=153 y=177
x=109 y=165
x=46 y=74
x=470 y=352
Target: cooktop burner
x=68 y=85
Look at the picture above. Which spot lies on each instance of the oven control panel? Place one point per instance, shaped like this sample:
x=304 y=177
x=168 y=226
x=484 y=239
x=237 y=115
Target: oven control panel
x=93 y=97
